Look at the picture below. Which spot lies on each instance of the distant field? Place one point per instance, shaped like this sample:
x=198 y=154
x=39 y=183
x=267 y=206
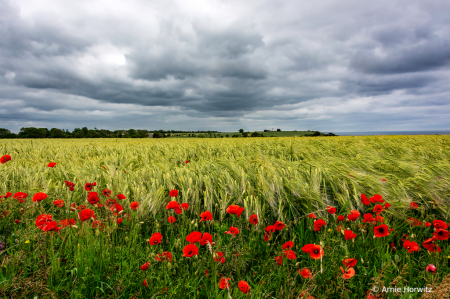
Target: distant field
x=230 y=134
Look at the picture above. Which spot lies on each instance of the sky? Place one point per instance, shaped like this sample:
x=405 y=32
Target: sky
x=329 y=65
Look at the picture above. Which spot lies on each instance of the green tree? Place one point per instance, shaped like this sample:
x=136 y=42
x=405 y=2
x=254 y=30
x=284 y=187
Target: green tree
x=241 y=131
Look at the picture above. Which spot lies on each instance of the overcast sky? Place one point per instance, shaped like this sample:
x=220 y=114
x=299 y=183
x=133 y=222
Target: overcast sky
x=337 y=65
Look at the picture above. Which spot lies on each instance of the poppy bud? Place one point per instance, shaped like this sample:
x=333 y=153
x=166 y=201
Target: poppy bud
x=268 y=244
x=193 y=221
x=297 y=264
x=196 y=225
x=97 y=232
x=120 y=212
x=127 y=239
x=169 y=265
x=196 y=273
x=194 y=264
x=92 y=218
x=142 y=222
x=412 y=236
x=157 y=225
x=217 y=205
x=95 y=207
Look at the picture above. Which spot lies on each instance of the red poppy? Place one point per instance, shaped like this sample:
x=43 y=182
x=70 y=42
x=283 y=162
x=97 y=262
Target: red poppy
x=39 y=196
x=267 y=236
x=116 y=209
x=270 y=229
x=365 y=200
x=42 y=220
x=206 y=238
x=349 y=235
x=190 y=250
x=219 y=257
x=381 y=231
x=51 y=164
x=387 y=205
x=312 y=216
x=93 y=198
x=145 y=266
x=318 y=224
x=187 y=161
x=353 y=215
x=70 y=185
x=430 y=245
x=383 y=180
x=155 y=239
x=184 y=206
x=121 y=196
x=439 y=224
x=244 y=287
x=89 y=186
x=413 y=205
x=306 y=273
x=17 y=221
x=378 y=209
x=119 y=221
x=427 y=224
x=86 y=214
x=5 y=158
x=411 y=246
x=431 y=268
x=350 y=262
x=340 y=218
x=171 y=219
x=290 y=254
x=172 y=205
x=206 y=216
x=166 y=255
x=223 y=284
x=234 y=209
x=279 y=260
x=8 y=194
x=59 y=203
x=96 y=224
x=107 y=193
x=377 y=198
x=441 y=234
x=288 y=245
x=331 y=210
x=134 y=205
x=66 y=222
x=194 y=237
x=348 y=274
x=50 y=226
x=254 y=219
x=233 y=231
x=279 y=225
x=315 y=251
x=145 y=283
x=369 y=218
x=173 y=193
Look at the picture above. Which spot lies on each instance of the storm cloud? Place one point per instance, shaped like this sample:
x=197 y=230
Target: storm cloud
x=225 y=65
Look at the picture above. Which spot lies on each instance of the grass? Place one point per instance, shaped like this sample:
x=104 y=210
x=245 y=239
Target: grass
x=230 y=134
x=278 y=179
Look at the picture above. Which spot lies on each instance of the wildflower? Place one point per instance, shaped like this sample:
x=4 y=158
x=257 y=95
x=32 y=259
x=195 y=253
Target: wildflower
x=279 y=225
x=116 y=209
x=383 y=180
x=186 y=162
x=194 y=237
x=145 y=283
x=439 y=224
x=381 y=231
x=5 y=158
x=96 y=224
x=171 y=219
x=365 y=200
x=315 y=251
x=318 y=224
x=306 y=273
x=145 y=266
x=134 y=205
x=51 y=164
x=348 y=274
x=377 y=198
x=70 y=185
x=39 y=196
x=119 y=221
x=219 y=257
x=243 y=286
x=173 y=193
x=155 y=239
x=59 y=203
x=190 y=250
x=427 y=224
x=430 y=245
x=413 y=205
x=411 y=246
x=378 y=209
x=387 y=205
x=93 y=198
x=349 y=262
x=27 y=242
x=120 y=196
x=89 y=186
x=431 y=268
x=254 y=219
x=441 y=234
x=206 y=216
x=234 y=209
x=331 y=210
x=340 y=218
x=17 y=221
x=288 y=245
x=206 y=238
x=349 y=235
x=86 y=214
x=353 y=215
x=290 y=255
x=166 y=255
x=107 y=192
x=312 y=216
x=184 y=206
x=223 y=284
x=279 y=260
x=233 y=231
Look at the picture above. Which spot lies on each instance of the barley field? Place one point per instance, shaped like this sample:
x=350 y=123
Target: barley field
x=291 y=181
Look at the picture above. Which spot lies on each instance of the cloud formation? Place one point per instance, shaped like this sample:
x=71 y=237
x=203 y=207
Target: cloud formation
x=225 y=65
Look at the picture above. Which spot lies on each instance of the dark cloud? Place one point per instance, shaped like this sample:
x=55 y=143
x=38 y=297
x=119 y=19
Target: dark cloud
x=224 y=65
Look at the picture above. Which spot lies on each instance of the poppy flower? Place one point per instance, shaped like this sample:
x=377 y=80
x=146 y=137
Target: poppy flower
x=190 y=250
x=331 y=210
x=8 y=194
x=288 y=245
x=369 y=218
x=166 y=255
x=39 y=196
x=66 y=222
x=270 y=229
x=17 y=221
x=312 y=216
x=134 y=205
x=120 y=196
x=279 y=260
x=430 y=245
x=318 y=224
x=350 y=262
x=89 y=186
x=234 y=209
x=441 y=234
x=70 y=185
x=59 y=203
x=383 y=180
x=116 y=209
x=145 y=266
x=86 y=214
x=413 y=205
x=340 y=218
x=233 y=231
x=254 y=219
x=348 y=274
x=171 y=219
x=184 y=206
x=290 y=255
x=206 y=238
x=427 y=224
x=42 y=220
x=378 y=209
x=51 y=164
x=306 y=273
x=172 y=205
x=365 y=200
x=377 y=198
x=349 y=235
x=173 y=193
x=119 y=221
x=387 y=205
x=381 y=231
x=155 y=239
x=411 y=246
x=96 y=224
x=50 y=226
x=194 y=237
x=279 y=225
x=187 y=161
x=244 y=287
x=5 y=158
x=206 y=216
x=315 y=251
x=107 y=192
x=93 y=198
x=223 y=284
x=439 y=224
x=145 y=283
x=431 y=268
x=353 y=215
x=219 y=257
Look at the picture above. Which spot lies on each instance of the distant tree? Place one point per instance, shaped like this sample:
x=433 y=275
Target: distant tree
x=245 y=134
x=316 y=133
x=255 y=134
x=57 y=133
x=278 y=130
x=226 y=135
x=241 y=131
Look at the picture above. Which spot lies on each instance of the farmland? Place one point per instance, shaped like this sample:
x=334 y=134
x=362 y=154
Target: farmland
x=283 y=179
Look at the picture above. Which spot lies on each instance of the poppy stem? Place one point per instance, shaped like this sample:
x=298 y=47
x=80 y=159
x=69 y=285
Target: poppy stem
x=321 y=269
